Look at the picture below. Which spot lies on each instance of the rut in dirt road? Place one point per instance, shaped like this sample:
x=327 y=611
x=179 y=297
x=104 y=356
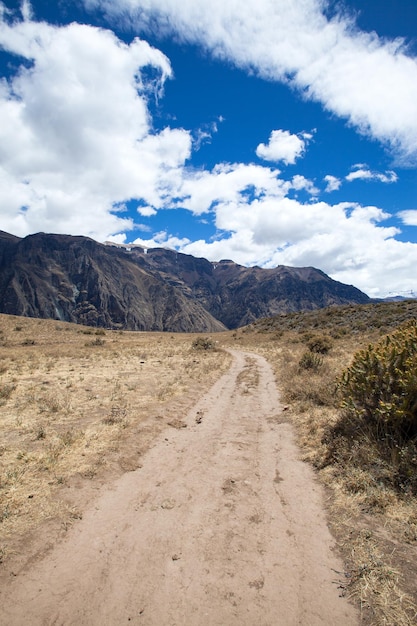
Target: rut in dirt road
x=222 y=526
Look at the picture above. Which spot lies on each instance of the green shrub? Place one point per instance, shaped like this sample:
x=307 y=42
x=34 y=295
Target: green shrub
x=380 y=387
x=379 y=403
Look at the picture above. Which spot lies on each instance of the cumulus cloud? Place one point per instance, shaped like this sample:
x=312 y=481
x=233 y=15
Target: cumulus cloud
x=300 y=182
x=409 y=217
x=362 y=172
x=371 y=82
x=333 y=183
x=146 y=211
x=202 y=191
x=76 y=138
x=283 y=146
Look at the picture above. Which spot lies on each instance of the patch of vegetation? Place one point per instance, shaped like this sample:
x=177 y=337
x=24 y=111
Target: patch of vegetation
x=203 y=343
x=6 y=391
x=117 y=415
x=41 y=432
x=310 y=361
x=98 y=341
x=340 y=321
x=320 y=344
x=378 y=425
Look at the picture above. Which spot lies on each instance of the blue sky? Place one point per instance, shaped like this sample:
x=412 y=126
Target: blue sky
x=268 y=132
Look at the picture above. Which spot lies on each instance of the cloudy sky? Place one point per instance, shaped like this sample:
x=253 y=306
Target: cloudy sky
x=264 y=131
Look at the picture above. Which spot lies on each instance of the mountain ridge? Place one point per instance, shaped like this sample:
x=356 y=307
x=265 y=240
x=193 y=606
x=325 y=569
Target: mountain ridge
x=76 y=279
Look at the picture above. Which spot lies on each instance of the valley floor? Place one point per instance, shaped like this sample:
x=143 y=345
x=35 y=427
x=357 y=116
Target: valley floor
x=221 y=525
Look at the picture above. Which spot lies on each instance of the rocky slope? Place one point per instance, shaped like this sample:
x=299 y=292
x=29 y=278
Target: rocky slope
x=79 y=280
x=238 y=295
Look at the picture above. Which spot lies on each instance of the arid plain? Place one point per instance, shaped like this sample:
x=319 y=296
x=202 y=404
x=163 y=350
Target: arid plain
x=83 y=407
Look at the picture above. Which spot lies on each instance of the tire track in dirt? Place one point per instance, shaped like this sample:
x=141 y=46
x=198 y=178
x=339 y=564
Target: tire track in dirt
x=222 y=526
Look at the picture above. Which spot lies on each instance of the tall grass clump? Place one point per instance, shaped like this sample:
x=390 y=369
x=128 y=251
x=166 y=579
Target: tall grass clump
x=377 y=428
x=310 y=361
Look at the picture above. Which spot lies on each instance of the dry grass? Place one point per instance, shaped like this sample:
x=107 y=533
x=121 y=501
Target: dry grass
x=376 y=526
x=78 y=404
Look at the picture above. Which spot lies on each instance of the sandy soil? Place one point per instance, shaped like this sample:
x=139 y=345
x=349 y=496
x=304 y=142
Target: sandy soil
x=222 y=525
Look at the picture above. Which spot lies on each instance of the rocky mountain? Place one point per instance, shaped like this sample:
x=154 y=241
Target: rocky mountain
x=238 y=295
x=79 y=280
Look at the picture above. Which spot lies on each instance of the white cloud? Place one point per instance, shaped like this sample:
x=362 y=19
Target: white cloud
x=146 y=211
x=346 y=241
x=118 y=239
x=76 y=139
x=282 y=146
x=202 y=190
x=333 y=183
x=300 y=182
x=362 y=172
x=26 y=9
x=370 y=82
x=204 y=135
x=409 y=217
x=163 y=240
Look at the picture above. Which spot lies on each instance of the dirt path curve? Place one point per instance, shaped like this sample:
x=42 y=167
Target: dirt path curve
x=222 y=526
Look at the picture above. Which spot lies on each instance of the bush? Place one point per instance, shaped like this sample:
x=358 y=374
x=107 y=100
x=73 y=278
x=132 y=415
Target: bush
x=380 y=387
x=203 y=343
x=379 y=403
x=321 y=344
x=96 y=342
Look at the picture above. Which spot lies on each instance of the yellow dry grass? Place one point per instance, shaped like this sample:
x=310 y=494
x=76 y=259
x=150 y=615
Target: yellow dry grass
x=78 y=406
x=78 y=403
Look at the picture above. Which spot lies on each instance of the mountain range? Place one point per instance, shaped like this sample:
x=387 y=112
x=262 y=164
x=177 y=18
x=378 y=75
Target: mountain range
x=77 y=279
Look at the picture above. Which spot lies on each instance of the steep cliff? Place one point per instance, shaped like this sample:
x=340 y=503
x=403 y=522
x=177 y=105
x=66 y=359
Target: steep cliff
x=79 y=280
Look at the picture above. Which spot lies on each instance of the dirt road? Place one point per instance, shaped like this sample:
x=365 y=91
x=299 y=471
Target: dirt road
x=221 y=526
